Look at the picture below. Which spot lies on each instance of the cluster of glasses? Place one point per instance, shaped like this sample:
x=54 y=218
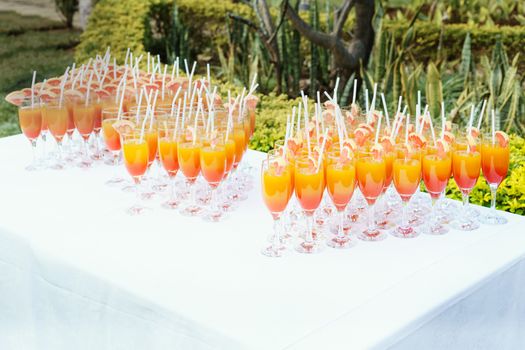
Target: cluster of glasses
x=340 y=173
x=172 y=122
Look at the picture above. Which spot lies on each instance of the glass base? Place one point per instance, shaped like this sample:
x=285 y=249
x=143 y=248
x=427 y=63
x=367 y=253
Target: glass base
x=437 y=229
x=472 y=212
x=147 y=195
x=213 y=216
x=371 y=236
x=309 y=247
x=137 y=210
x=492 y=219
x=31 y=168
x=404 y=232
x=85 y=164
x=465 y=225
x=115 y=181
x=171 y=204
x=340 y=242
x=57 y=166
x=191 y=210
x=273 y=252
x=159 y=187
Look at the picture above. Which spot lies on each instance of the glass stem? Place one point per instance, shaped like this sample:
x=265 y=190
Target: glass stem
x=465 y=198
x=493 y=190
x=309 y=228
x=371 y=218
x=33 y=149
x=340 y=231
x=59 y=147
x=137 y=189
x=172 y=188
x=44 y=139
x=276 y=233
x=433 y=215
x=193 y=194
x=97 y=149
x=404 y=216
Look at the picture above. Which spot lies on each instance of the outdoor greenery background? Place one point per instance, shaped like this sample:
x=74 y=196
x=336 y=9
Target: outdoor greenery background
x=457 y=50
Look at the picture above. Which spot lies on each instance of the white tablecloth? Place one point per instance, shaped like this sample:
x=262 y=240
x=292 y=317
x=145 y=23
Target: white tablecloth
x=77 y=273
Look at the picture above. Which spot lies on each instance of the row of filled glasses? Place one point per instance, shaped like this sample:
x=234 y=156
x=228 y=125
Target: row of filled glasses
x=212 y=151
x=339 y=172
x=88 y=118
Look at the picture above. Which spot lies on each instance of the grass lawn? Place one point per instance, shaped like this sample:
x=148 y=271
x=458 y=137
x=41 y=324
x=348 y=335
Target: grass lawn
x=29 y=43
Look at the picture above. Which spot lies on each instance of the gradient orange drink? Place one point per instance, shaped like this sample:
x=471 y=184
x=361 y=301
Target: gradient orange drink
x=437 y=168
x=110 y=134
x=466 y=164
x=135 y=153
x=213 y=162
x=230 y=153
x=309 y=183
x=168 y=148
x=152 y=138
x=56 y=118
x=188 y=153
x=30 y=119
x=240 y=142
x=389 y=167
x=277 y=185
x=84 y=118
x=407 y=174
x=371 y=174
x=340 y=179
x=495 y=158
x=70 y=101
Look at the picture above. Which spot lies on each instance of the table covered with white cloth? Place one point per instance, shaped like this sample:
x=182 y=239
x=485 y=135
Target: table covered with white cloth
x=76 y=272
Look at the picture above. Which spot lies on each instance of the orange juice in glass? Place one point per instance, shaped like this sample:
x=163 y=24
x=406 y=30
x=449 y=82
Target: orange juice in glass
x=55 y=116
x=371 y=174
x=188 y=153
x=466 y=165
x=340 y=183
x=169 y=157
x=84 y=118
x=30 y=119
x=276 y=185
x=495 y=158
x=135 y=151
x=213 y=159
x=240 y=143
x=407 y=176
x=436 y=171
x=309 y=184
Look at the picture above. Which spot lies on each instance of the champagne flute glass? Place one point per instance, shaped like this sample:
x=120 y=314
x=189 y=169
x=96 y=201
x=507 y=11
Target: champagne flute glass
x=30 y=119
x=309 y=183
x=277 y=187
x=84 y=118
x=213 y=167
x=71 y=98
x=495 y=156
x=188 y=153
x=97 y=103
x=466 y=164
x=169 y=158
x=111 y=137
x=371 y=173
x=340 y=182
x=55 y=116
x=407 y=176
x=135 y=150
x=437 y=168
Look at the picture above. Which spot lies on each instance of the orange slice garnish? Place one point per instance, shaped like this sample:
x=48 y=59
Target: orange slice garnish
x=502 y=138
x=124 y=126
x=16 y=98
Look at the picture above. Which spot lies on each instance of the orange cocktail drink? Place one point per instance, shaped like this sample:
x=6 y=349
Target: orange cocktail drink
x=135 y=151
x=495 y=158
x=407 y=176
x=84 y=118
x=371 y=175
x=466 y=165
x=109 y=132
x=168 y=154
x=188 y=153
x=340 y=183
x=309 y=184
x=240 y=143
x=30 y=119
x=436 y=170
x=213 y=159
x=277 y=186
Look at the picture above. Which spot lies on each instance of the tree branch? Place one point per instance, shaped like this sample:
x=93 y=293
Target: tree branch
x=342 y=16
x=281 y=21
x=319 y=38
x=244 y=21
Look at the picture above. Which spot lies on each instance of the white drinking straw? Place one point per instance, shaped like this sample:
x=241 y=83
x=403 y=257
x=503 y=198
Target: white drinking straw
x=64 y=79
x=385 y=108
x=423 y=123
x=482 y=113
x=149 y=59
x=143 y=127
x=164 y=80
x=366 y=104
x=354 y=95
x=471 y=118
x=138 y=105
x=174 y=101
x=175 y=133
x=293 y=120
x=122 y=99
x=208 y=73
x=321 y=151
x=431 y=128
x=199 y=107
x=336 y=87
x=378 y=128
x=443 y=120
x=184 y=109
x=493 y=127
x=89 y=87
x=33 y=90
